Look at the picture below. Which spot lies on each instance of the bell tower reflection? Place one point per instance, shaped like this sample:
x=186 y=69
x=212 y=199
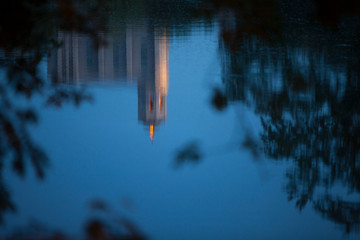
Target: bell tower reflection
x=138 y=55
x=153 y=84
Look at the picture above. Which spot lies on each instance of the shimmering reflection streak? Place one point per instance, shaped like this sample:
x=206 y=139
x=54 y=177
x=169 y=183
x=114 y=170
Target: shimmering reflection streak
x=138 y=54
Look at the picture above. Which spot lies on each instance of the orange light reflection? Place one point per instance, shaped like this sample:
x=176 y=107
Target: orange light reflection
x=160 y=103
x=151 y=132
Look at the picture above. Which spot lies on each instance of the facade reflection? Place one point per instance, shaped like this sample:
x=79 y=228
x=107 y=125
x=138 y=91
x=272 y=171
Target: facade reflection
x=137 y=55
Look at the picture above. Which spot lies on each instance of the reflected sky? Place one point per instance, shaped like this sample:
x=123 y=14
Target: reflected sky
x=101 y=150
x=256 y=166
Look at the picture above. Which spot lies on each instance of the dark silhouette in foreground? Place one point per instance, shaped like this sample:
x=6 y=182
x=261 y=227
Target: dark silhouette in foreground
x=106 y=224
x=302 y=78
x=27 y=31
x=190 y=153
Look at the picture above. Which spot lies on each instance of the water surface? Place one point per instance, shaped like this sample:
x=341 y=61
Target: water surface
x=209 y=126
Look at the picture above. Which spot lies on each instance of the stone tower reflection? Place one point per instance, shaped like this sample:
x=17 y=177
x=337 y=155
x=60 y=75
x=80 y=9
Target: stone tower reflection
x=153 y=84
x=138 y=55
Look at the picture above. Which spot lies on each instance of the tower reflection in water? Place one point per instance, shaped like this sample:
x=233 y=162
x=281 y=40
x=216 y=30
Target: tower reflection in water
x=138 y=54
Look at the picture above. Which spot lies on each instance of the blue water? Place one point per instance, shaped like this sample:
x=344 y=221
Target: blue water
x=152 y=96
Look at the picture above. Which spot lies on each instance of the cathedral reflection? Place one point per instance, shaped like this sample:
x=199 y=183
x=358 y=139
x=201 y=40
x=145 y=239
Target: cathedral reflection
x=137 y=55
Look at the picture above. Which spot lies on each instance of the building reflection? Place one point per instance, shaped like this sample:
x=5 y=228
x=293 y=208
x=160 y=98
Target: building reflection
x=137 y=55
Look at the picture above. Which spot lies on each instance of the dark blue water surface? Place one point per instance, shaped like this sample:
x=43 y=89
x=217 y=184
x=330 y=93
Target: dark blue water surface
x=183 y=120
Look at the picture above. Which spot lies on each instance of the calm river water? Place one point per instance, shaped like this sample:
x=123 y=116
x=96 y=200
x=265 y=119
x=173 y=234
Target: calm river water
x=194 y=126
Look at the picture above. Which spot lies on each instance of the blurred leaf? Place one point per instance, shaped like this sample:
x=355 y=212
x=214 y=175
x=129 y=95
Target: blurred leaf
x=219 y=100
x=188 y=154
x=99 y=205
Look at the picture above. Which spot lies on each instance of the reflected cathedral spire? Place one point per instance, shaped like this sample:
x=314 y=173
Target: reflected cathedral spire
x=153 y=84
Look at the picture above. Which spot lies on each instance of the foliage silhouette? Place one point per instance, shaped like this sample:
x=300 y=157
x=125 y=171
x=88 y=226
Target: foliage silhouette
x=303 y=79
x=27 y=34
x=190 y=153
x=106 y=224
